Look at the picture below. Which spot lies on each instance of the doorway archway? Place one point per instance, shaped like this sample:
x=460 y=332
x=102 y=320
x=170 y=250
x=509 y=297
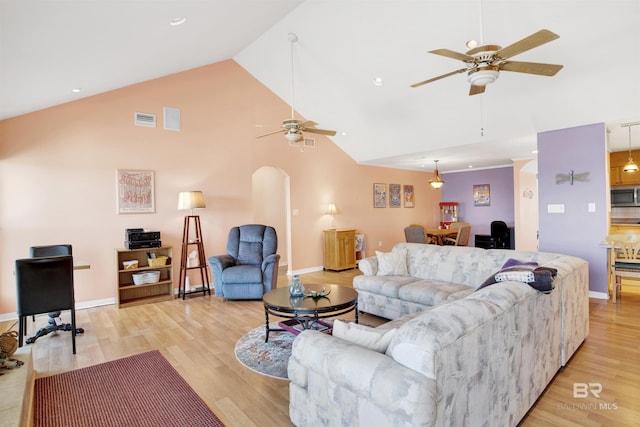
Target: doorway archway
x=271 y=206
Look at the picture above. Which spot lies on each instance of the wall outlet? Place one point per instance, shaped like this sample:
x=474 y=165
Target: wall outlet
x=379 y=243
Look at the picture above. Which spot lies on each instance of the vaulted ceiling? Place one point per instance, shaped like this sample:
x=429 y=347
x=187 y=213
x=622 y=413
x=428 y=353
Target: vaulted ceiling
x=49 y=47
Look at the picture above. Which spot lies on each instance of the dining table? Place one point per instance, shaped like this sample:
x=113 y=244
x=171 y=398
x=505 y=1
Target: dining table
x=439 y=234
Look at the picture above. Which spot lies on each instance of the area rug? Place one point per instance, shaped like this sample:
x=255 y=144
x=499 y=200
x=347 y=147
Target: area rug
x=270 y=358
x=142 y=390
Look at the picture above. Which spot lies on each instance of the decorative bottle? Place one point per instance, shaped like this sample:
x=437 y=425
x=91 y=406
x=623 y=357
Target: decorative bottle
x=296 y=289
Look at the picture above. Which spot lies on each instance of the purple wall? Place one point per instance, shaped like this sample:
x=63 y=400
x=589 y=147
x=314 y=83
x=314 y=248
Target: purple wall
x=576 y=231
x=458 y=187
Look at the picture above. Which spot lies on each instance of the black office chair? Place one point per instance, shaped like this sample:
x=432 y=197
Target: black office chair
x=501 y=234
x=44 y=285
x=48 y=250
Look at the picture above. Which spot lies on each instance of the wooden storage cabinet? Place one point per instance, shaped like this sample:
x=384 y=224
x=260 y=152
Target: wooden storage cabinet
x=130 y=294
x=339 y=249
x=617 y=176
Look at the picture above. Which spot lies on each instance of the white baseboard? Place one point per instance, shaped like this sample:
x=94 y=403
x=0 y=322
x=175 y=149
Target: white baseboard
x=304 y=270
x=599 y=295
x=79 y=306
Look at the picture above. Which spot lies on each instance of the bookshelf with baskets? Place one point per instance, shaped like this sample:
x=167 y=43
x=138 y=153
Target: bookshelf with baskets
x=142 y=279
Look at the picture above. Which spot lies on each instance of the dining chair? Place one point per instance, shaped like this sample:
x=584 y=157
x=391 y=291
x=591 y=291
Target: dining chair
x=415 y=234
x=44 y=285
x=461 y=236
x=625 y=264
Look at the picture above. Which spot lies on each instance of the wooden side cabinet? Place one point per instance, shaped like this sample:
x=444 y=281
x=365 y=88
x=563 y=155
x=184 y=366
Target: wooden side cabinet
x=339 y=249
x=129 y=293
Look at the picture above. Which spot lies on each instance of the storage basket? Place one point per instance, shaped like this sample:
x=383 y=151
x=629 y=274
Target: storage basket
x=158 y=261
x=145 y=277
x=9 y=342
x=130 y=265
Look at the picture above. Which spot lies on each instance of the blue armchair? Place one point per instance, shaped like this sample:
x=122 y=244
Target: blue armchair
x=250 y=267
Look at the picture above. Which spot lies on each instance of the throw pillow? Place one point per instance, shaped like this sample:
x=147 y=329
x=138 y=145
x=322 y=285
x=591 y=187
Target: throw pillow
x=364 y=336
x=392 y=263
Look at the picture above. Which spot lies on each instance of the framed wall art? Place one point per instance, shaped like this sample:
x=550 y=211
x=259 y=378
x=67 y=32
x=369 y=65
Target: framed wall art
x=481 y=195
x=135 y=191
x=395 y=198
x=407 y=192
x=379 y=195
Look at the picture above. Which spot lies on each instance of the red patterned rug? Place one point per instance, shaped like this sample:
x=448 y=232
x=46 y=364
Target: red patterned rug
x=141 y=390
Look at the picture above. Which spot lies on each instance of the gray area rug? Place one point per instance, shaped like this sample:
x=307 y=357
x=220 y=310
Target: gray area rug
x=269 y=358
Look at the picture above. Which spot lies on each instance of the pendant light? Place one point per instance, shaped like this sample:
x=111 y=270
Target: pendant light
x=631 y=165
x=436 y=182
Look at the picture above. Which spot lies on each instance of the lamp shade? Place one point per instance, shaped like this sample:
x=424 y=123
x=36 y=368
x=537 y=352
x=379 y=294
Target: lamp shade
x=191 y=200
x=331 y=209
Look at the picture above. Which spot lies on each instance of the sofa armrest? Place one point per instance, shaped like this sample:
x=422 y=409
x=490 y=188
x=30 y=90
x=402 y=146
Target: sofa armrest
x=320 y=362
x=368 y=266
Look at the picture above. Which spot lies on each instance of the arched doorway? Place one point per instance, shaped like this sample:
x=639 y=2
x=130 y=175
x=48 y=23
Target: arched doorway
x=527 y=215
x=271 y=206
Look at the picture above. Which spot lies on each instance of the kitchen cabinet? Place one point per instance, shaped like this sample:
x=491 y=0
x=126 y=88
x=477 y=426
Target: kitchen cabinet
x=617 y=176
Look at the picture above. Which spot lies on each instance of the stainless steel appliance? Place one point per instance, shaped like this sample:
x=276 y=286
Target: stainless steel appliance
x=625 y=197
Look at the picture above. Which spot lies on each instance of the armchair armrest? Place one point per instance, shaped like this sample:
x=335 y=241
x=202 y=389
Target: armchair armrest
x=270 y=259
x=351 y=370
x=221 y=261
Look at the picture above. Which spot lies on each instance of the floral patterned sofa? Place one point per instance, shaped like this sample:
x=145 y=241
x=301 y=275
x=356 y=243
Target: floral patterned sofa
x=457 y=355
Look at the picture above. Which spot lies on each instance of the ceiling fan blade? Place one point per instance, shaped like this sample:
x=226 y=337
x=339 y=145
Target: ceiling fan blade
x=271 y=133
x=531 y=68
x=453 y=54
x=461 y=70
x=527 y=43
x=475 y=90
x=303 y=125
x=320 y=131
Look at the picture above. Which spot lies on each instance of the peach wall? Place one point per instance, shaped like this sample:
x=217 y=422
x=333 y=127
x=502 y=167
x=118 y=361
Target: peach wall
x=58 y=165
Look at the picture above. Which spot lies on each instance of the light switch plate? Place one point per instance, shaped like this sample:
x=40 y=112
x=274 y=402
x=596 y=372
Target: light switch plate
x=555 y=208
x=591 y=207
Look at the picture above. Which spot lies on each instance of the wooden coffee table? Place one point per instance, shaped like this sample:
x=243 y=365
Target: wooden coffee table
x=307 y=311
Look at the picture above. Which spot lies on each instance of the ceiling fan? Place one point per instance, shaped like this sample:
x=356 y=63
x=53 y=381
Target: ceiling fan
x=292 y=127
x=484 y=63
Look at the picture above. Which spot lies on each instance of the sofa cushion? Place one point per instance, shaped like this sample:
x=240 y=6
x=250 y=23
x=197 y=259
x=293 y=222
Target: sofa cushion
x=242 y=274
x=365 y=336
x=392 y=263
x=388 y=286
x=430 y=292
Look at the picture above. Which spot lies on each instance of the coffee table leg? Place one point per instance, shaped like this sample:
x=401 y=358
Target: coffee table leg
x=266 y=326
x=356 y=310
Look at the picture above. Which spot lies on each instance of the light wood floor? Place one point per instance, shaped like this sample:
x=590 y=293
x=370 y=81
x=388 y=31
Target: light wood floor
x=198 y=337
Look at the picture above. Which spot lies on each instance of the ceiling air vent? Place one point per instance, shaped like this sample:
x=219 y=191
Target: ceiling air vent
x=145 y=119
x=309 y=143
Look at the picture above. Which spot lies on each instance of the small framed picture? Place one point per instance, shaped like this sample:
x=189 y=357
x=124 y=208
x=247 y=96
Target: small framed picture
x=379 y=195
x=135 y=190
x=407 y=191
x=482 y=195
x=395 y=198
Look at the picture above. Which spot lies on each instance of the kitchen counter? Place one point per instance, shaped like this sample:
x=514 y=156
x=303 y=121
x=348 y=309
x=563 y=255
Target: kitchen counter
x=625 y=221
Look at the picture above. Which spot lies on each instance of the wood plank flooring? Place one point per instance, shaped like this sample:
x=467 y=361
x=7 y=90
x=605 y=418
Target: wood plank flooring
x=198 y=337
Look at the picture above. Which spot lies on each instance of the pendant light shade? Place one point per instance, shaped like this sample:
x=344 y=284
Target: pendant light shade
x=436 y=182
x=631 y=165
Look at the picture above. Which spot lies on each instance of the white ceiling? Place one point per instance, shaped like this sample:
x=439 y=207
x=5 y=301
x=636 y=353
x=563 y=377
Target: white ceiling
x=48 y=47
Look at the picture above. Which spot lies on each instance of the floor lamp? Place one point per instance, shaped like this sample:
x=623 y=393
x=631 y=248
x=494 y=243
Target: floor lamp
x=190 y=200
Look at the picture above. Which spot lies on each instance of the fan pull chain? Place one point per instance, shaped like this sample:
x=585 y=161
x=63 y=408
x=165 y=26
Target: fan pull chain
x=481 y=117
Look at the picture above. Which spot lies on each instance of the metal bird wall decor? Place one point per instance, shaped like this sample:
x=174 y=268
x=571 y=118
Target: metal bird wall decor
x=571 y=176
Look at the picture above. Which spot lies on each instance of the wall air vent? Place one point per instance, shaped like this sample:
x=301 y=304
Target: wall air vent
x=309 y=143
x=145 y=119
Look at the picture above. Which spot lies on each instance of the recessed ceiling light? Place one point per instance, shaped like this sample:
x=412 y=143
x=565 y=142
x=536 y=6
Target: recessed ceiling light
x=534 y=152
x=344 y=134
x=76 y=90
x=179 y=20
x=470 y=166
x=378 y=81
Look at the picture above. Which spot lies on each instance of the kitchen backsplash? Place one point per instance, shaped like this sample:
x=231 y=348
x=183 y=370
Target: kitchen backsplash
x=625 y=213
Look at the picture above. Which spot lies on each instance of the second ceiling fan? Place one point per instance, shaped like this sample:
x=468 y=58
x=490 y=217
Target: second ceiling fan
x=292 y=127
x=484 y=63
